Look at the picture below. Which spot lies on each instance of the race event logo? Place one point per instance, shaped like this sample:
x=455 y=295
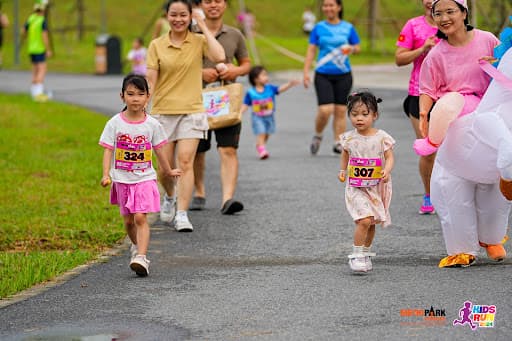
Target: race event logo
x=423 y=317
x=476 y=316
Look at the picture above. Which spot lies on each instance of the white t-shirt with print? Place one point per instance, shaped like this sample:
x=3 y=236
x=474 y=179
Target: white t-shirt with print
x=132 y=144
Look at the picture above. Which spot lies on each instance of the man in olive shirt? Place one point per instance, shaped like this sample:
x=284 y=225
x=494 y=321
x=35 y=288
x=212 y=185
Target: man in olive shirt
x=227 y=138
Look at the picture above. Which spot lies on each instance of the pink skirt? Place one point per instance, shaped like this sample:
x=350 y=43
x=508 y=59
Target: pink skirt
x=136 y=198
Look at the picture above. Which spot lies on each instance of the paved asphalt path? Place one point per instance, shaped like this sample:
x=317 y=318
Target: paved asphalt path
x=278 y=270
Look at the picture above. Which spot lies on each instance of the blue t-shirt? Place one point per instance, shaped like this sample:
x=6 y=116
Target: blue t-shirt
x=329 y=38
x=262 y=103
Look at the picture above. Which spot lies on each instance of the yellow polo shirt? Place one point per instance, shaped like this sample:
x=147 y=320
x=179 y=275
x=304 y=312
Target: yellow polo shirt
x=179 y=85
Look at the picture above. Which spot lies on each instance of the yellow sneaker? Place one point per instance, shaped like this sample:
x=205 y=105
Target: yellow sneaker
x=459 y=260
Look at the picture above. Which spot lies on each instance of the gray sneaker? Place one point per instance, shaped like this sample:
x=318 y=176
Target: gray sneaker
x=197 y=204
x=315 y=144
x=168 y=209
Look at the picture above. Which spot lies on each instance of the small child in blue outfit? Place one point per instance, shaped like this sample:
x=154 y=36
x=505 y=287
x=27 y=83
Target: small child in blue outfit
x=261 y=97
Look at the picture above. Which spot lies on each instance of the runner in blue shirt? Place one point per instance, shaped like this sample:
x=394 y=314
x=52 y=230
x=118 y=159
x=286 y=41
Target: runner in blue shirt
x=334 y=39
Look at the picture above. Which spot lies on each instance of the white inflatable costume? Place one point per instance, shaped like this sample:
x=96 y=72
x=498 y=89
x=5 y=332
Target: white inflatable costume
x=465 y=183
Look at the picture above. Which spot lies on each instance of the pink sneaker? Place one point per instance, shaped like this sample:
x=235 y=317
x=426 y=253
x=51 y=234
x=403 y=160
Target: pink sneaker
x=262 y=152
x=426 y=207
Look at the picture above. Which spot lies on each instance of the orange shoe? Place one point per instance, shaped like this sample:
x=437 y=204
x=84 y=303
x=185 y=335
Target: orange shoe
x=495 y=252
x=460 y=260
x=506 y=188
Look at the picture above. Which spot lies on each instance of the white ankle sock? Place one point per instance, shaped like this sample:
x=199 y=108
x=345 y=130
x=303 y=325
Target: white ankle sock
x=357 y=250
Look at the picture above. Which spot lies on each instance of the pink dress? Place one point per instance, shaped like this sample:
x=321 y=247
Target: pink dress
x=370 y=201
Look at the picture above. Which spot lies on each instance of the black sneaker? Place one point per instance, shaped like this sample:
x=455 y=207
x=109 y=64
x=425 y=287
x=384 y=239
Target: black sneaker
x=197 y=204
x=231 y=207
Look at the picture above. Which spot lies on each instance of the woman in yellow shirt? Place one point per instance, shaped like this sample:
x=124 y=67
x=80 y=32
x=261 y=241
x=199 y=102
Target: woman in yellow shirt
x=174 y=72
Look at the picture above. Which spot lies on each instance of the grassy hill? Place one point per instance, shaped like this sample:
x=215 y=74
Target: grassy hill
x=278 y=21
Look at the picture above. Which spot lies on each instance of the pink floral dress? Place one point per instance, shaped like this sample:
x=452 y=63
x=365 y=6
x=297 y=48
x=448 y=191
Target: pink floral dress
x=372 y=201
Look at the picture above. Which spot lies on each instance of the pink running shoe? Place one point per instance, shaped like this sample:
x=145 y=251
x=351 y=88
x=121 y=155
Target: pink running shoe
x=262 y=152
x=426 y=207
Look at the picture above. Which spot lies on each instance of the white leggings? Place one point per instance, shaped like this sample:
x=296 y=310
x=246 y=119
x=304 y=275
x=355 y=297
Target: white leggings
x=469 y=212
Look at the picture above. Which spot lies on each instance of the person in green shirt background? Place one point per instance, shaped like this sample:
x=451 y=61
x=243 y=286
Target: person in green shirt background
x=35 y=31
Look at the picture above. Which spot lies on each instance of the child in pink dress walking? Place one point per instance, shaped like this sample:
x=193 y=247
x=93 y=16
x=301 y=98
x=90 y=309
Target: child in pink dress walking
x=128 y=140
x=366 y=162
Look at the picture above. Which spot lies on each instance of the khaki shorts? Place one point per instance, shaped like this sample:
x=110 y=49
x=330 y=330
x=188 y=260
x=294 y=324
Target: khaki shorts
x=186 y=126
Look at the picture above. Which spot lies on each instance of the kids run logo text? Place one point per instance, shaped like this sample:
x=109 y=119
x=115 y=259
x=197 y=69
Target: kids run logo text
x=476 y=315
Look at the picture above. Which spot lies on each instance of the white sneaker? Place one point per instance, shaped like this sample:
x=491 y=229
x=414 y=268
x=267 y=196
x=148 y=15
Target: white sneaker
x=369 y=265
x=140 y=264
x=183 y=225
x=168 y=209
x=133 y=251
x=358 y=263
x=368 y=258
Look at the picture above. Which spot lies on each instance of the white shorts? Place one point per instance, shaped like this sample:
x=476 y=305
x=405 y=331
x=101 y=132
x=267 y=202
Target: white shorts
x=186 y=126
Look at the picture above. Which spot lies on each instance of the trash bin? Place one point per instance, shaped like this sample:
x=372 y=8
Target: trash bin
x=108 y=55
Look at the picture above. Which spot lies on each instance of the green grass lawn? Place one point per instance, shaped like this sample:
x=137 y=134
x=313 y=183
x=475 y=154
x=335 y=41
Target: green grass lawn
x=55 y=215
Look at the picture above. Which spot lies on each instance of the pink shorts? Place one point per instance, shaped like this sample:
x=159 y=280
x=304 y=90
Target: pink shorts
x=136 y=198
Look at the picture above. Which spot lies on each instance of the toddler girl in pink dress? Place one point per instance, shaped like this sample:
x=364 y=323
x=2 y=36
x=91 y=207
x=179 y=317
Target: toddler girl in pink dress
x=366 y=162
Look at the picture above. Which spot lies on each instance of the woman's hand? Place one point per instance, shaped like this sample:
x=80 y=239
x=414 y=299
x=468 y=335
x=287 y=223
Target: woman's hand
x=306 y=80
x=430 y=42
x=198 y=16
x=347 y=49
x=210 y=75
